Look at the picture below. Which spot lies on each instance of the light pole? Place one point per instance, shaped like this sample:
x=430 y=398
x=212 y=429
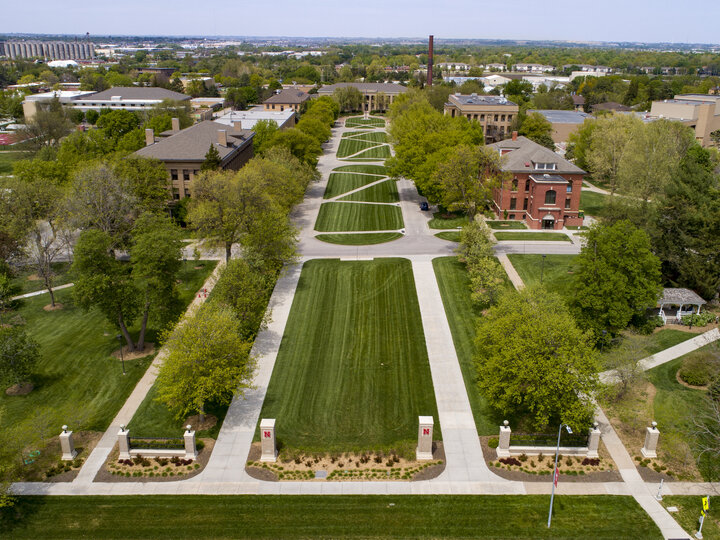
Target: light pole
x=542 y=268
x=122 y=357
x=554 y=480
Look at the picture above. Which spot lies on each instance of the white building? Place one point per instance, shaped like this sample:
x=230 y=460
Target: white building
x=248 y=119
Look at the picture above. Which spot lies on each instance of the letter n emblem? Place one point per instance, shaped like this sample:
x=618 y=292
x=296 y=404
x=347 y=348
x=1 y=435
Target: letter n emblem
x=266 y=434
x=426 y=431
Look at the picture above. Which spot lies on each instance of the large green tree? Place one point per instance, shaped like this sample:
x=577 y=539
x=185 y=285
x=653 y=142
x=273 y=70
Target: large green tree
x=617 y=277
x=538 y=129
x=207 y=362
x=19 y=354
x=533 y=361
x=607 y=146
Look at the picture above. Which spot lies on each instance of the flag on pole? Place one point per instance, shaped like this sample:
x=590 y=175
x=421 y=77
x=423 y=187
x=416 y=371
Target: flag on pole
x=557 y=477
x=706 y=503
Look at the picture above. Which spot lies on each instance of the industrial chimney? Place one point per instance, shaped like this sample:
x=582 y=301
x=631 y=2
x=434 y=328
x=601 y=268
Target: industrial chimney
x=430 y=62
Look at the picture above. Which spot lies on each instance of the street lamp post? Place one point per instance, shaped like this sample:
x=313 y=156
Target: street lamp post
x=122 y=357
x=542 y=268
x=557 y=451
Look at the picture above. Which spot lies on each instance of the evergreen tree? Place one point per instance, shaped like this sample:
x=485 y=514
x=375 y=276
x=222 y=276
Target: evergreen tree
x=212 y=160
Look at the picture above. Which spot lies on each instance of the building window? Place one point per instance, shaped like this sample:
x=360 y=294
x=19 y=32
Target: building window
x=502 y=118
x=452 y=113
x=511 y=216
x=525 y=203
x=513 y=203
x=509 y=117
x=186 y=175
x=567 y=204
x=196 y=172
x=496 y=117
x=569 y=188
x=273 y=106
x=527 y=187
x=545 y=166
x=173 y=174
x=550 y=196
x=282 y=108
x=514 y=185
x=482 y=117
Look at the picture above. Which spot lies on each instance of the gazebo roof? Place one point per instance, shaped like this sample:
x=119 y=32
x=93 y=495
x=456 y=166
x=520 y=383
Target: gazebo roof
x=680 y=296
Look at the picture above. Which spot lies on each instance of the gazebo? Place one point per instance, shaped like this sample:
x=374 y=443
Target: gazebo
x=684 y=299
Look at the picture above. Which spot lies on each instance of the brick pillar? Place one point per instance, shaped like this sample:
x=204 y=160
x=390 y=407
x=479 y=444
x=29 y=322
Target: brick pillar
x=124 y=443
x=190 y=448
x=66 y=445
x=267 y=438
x=652 y=434
x=593 y=441
x=503 y=449
x=425 y=438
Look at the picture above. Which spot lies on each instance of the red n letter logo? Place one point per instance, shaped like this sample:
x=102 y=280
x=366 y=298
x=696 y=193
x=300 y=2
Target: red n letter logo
x=426 y=431
x=266 y=434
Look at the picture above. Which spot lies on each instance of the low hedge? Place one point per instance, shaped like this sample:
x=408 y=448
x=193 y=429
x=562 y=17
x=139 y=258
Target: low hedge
x=699 y=369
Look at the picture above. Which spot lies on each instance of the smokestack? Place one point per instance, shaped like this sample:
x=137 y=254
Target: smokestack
x=430 y=62
x=149 y=137
x=175 y=124
x=222 y=137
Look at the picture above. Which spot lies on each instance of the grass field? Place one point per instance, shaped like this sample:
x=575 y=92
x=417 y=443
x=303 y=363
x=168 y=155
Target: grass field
x=377 y=152
x=532 y=236
x=342 y=182
x=369 y=169
x=339 y=217
x=689 y=507
x=556 y=271
x=372 y=136
x=349 y=147
x=451 y=221
x=77 y=382
x=25 y=285
x=359 y=121
x=384 y=192
x=501 y=225
x=451 y=236
x=330 y=516
x=592 y=203
x=352 y=371
x=7 y=159
x=362 y=239
x=462 y=315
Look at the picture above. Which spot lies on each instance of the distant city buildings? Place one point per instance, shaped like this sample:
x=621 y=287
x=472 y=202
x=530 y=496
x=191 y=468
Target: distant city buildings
x=48 y=50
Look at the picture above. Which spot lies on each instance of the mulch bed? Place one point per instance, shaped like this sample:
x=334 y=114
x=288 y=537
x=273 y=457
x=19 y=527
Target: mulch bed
x=57 y=307
x=127 y=355
x=20 y=389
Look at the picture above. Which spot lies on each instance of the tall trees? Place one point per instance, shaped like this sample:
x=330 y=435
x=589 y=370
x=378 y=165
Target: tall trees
x=607 y=146
x=467 y=177
x=536 y=128
x=207 y=362
x=348 y=98
x=487 y=277
x=212 y=159
x=532 y=359
x=18 y=355
x=617 y=277
x=49 y=124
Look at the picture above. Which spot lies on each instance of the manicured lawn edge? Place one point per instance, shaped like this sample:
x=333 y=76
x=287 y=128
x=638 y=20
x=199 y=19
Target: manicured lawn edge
x=362 y=239
x=532 y=236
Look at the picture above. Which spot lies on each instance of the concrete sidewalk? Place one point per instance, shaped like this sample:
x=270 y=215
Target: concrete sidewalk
x=42 y=291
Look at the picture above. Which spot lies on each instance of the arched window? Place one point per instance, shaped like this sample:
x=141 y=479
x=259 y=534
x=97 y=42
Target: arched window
x=514 y=185
x=550 y=196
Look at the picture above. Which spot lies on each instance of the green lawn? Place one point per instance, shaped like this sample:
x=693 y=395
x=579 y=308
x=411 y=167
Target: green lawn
x=25 y=285
x=592 y=203
x=77 y=382
x=349 y=147
x=377 y=152
x=650 y=344
x=352 y=371
x=689 y=507
x=362 y=239
x=556 y=271
x=451 y=236
x=370 y=169
x=330 y=516
x=385 y=192
x=506 y=224
x=532 y=236
x=462 y=315
x=372 y=136
x=451 y=221
x=359 y=121
x=7 y=159
x=340 y=183
x=339 y=217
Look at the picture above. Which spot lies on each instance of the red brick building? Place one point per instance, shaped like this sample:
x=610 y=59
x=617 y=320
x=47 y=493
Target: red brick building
x=544 y=189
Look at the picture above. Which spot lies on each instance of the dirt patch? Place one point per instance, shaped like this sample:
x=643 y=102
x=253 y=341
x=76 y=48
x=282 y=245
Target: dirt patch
x=140 y=473
x=34 y=277
x=685 y=328
x=199 y=267
x=134 y=355
x=347 y=466
x=57 y=307
x=209 y=422
x=20 y=389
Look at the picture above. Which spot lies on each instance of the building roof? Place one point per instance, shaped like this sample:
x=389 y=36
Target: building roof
x=474 y=99
x=150 y=93
x=563 y=117
x=610 y=106
x=192 y=144
x=248 y=119
x=680 y=296
x=524 y=153
x=62 y=95
x=578 y=99
x=388 y=88
x=548 y=179
x=291 y=96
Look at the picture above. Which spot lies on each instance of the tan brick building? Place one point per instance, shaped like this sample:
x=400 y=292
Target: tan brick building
x=290 y=98
x=495 y=113
x=377 y=96
x=698 y=111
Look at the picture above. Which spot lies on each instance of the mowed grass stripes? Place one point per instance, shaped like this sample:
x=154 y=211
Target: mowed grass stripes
x=376 y=152
x=359 y=239
x=372 y=136
x=340 y=216
x=352 y=371
x=369 y=169
x=348 y=147
x=359 y=121
x=384 y=192
x=340 y=183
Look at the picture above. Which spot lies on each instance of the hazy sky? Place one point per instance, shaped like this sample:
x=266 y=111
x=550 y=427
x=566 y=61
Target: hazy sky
x=608 y=20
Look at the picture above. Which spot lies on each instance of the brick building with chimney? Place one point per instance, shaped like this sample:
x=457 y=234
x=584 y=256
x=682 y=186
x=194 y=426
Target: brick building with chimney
x=183 y=151
x=543 y=189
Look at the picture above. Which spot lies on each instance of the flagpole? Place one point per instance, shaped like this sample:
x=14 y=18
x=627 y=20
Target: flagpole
x=555 y=472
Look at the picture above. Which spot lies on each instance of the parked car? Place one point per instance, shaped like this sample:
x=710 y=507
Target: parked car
x=424 y=206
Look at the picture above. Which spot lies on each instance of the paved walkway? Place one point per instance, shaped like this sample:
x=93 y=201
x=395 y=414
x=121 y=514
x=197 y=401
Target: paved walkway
x=514 y=277
x=42 y=291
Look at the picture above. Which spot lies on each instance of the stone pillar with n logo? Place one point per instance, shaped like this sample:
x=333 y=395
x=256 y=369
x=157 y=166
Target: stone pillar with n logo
x=267 y=440
x=425 y=438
